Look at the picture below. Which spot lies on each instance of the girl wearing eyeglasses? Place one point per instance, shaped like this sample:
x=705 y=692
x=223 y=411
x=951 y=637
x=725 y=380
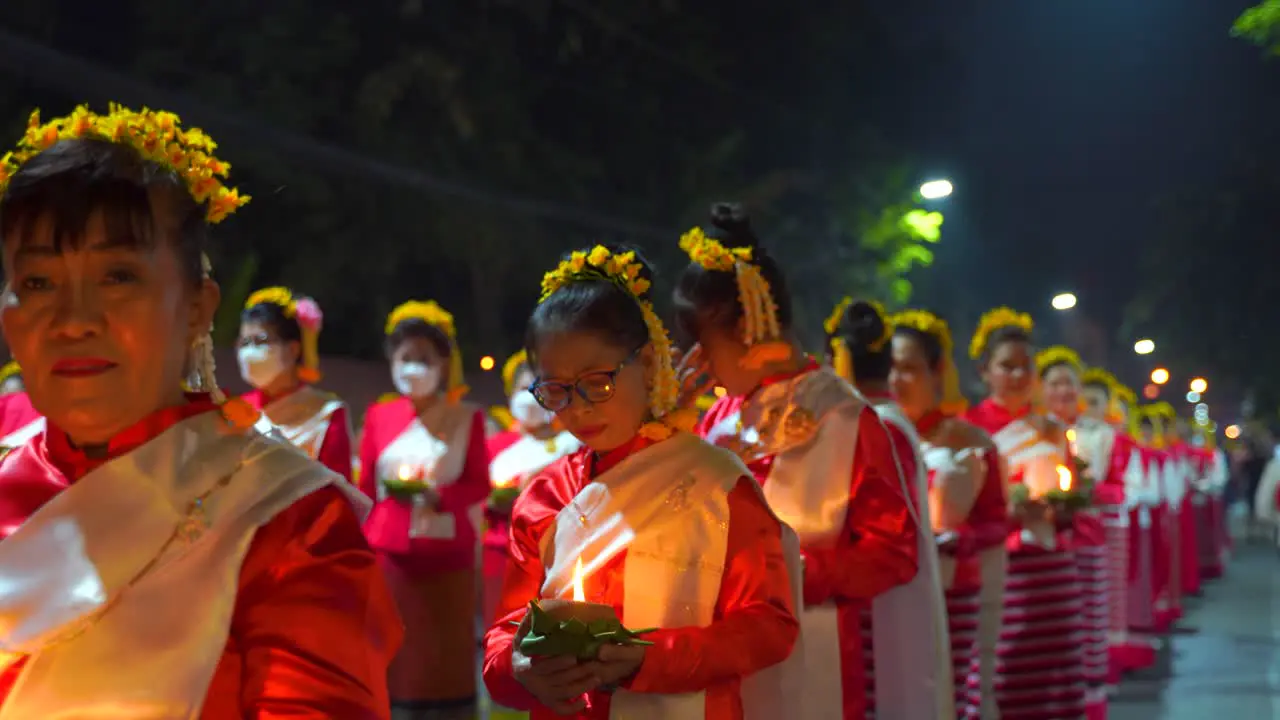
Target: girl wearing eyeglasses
x=278 y=358
x=669 y=531
x=424 y=461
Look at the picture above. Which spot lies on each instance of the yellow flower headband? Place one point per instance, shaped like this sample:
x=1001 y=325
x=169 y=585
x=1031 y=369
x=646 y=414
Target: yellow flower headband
x=841 y=358
x=1058 y=355
x=761 y=333
x=1098 y=376
x=156 y=135
x=310 y=321
x=511 y=367
x=995 y=319
x=1155 y=415
x=923 y=321
x=624 y=271
x=431 y=313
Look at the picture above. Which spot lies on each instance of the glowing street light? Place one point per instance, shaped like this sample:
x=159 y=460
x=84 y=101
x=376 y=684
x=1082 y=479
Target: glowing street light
x=1159 y=376
x=1063 y=301
x=486 y=363
x=1144 y=346
x=1193 y=397
x=1232 y=432
x=936 y=189
x=1199 y=385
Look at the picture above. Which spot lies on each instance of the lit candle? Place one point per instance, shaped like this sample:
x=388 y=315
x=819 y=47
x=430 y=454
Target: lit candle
x=406 y=473
x=1064 y=478
x=1071 y=442
x=578 y=594
x=502 y=484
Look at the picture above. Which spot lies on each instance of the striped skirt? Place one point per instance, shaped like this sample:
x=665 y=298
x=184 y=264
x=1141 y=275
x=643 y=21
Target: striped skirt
x=1040 y=656
x=963 y=610
x=1141 y=583
x=1092 y=565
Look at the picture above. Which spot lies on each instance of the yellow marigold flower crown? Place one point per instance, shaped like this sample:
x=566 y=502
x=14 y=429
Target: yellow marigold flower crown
x=309 y=323
x=1098 y=376
x=158 y=137
x=841 y=357
x=511 y=367
x=762 y=334
x=1058 y=355
x=625 y=272
x=922 y=321
x=430 y=312
x=995 y=319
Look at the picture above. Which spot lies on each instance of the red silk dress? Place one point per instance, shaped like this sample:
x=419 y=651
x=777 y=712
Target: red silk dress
x=433 y=579
x=1040 y=660
x=876 y=552
x=497 y=531
x=754 y=624
x=1126 y=653
x=1209 y=517
x=335 y=450
x=310 y=592
x=1188 y=535
x=16 y=412
x=1164 y=552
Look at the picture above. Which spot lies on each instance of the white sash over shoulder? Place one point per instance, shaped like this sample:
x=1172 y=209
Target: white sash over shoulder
x=303 y=417
x=667 y=507
x=121 y=588
x=19 y=437
x=526 y=456
x=434 y=448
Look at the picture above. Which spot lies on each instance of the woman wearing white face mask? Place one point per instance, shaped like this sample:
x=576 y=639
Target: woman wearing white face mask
x=278 y=357
x=532 y=442
x=423 y=460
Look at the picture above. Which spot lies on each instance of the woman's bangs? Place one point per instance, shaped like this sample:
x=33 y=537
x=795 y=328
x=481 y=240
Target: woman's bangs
x=65 y=205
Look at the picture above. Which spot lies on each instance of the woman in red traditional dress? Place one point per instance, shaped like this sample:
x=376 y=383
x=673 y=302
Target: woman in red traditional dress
x=967 y=504
x=424 y=462
x=647 y=519
x=1040 y=661
x=907 y=645
x=532 y=442
x=1164 y=538
x=279 y=359
x=1189 y=474
x=163 y=558
x=19 y=421
x=822 y=454
x=1060 y=371
x=1212 y=517
x=1115 y=462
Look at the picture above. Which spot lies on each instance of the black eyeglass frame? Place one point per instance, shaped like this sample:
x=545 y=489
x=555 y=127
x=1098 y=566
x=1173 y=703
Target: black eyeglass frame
x=575 y=387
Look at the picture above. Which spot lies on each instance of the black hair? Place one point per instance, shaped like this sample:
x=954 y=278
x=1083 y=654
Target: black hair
x=594 y=305
x=1099 y=384
x=1001 y=336
x=1058 y=363
x=271 y=315
x=74 y=178
x=418 y=328
x=862 y=326
x=1146 y=422
x=705 y=297
x=928 y=342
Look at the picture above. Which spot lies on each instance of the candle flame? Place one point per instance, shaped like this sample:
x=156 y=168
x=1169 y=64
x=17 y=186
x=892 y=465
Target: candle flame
x=502 y=484
x=1064 y=478
x=406 y=473
x=1071 y=435
x=578 y=594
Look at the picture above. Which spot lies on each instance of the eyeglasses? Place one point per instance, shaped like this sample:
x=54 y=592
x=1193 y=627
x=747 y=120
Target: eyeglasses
x=594 y=387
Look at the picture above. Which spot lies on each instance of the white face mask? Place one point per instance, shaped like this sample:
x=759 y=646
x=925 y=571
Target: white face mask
x=415 y=379
x=526 y=410
x=261 y=365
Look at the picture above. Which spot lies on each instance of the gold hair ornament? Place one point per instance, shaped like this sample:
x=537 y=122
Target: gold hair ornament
x=10 y=370
x=156 y=135
x=624 y=271
x=923 y=321
x=310 y=321
x=510 y=368
x=996 y=319
x=430 y=312
x=761 y=333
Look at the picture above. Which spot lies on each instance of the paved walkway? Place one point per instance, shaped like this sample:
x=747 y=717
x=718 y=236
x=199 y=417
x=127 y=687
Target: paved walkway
x=1225 y=662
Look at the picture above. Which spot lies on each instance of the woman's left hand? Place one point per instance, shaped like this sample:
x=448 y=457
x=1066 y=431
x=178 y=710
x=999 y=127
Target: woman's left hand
x=616 y=663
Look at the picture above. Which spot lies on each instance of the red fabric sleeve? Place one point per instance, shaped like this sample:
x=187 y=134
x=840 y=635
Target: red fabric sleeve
x=989 y=524
x=369 y=451
x=755 y=625
x=472 y=486
x=534 y=512
x=878 y=549
x=335 y=449
x=310 y=584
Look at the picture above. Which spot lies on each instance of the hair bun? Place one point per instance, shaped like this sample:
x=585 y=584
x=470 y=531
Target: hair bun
x=731 y=226
x=863 y=326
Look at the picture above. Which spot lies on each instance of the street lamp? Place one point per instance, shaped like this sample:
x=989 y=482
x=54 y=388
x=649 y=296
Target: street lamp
x=1232 y=432
x=936 y=189
x=1144 y=346
x=1159 y=376
x=1063 y=301
x=486 y=363
x=1199 y=385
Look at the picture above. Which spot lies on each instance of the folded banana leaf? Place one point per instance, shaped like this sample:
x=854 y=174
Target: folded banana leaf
x=549 y=637
x=403 y=489
x=503 y=496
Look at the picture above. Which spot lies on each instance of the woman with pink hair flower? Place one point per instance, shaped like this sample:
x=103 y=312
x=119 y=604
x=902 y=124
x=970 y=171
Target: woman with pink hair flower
x=279 y=359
